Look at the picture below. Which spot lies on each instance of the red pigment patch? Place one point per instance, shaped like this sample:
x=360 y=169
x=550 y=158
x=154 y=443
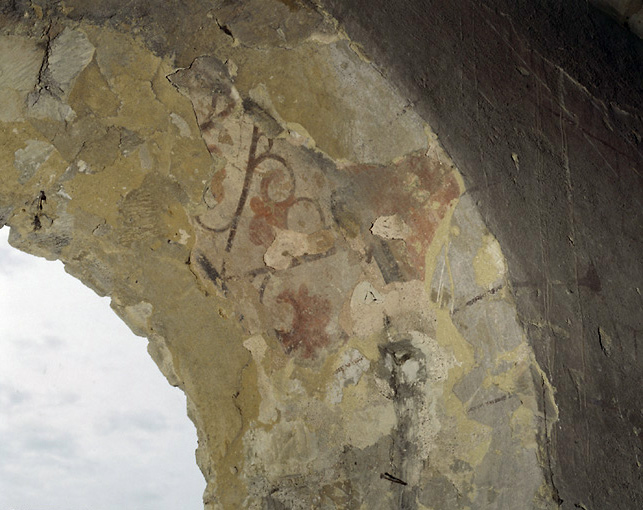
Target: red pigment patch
x=423 y=217
x=261 y=233
x=216 y=185
x=419 y=190
x=308 y=332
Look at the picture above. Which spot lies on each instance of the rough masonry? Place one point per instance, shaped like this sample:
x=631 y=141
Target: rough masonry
x=289 y=234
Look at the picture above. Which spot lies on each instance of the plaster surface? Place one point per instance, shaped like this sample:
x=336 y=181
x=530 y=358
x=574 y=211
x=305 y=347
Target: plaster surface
x=289 y=234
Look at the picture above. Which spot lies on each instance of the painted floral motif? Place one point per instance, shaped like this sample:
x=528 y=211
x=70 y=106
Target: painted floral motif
x=311 y=316
x=287 y=234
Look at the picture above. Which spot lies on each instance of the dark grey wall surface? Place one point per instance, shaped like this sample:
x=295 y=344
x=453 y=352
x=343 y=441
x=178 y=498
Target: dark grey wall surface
x=539 y=104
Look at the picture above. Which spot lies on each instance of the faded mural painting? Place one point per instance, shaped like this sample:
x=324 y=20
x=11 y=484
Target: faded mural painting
x=290 y=234
x=332 y=265
x=337 y=314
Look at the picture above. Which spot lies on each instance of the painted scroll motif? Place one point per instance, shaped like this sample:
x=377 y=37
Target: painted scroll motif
x=289 y=235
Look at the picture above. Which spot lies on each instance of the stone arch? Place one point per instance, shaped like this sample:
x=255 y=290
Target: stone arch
x=288 y=232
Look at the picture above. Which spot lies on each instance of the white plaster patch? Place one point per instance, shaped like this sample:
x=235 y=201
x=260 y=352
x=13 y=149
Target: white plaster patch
x=324 y=37
x=365 y=294
x=184 y=237
x=29 y=159
x=390 y=227
x=181 y=124
x=298 y=135
x=366 y=309
x=83 y=167
x=411 y=371
x=62 y=193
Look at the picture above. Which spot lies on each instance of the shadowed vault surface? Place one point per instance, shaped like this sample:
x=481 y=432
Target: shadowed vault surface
x=540 y=105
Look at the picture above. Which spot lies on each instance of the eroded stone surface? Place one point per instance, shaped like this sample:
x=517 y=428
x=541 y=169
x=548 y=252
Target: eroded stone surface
x=290 y=237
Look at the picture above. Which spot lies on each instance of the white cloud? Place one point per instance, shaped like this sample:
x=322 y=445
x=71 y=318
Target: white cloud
x=86 y=418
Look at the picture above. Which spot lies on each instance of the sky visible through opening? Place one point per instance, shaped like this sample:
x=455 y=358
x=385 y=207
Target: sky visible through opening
x=87 y=421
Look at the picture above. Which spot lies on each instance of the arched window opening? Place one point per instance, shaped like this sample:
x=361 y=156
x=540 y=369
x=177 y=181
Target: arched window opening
x=86 y=418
